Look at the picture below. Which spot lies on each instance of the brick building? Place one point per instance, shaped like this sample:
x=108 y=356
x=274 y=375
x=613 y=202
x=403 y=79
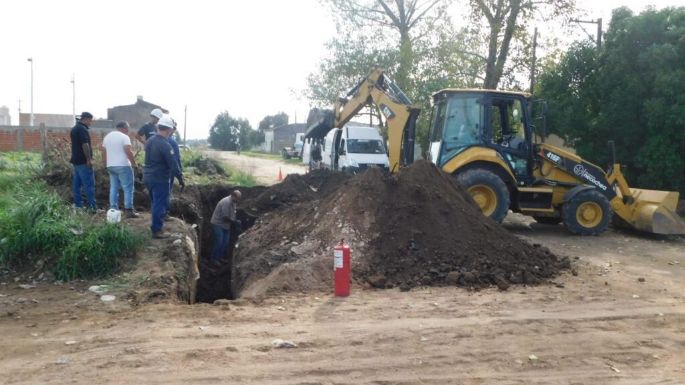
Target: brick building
x=136 y=114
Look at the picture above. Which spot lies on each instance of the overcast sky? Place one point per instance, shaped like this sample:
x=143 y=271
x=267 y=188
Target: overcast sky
x=245 y=57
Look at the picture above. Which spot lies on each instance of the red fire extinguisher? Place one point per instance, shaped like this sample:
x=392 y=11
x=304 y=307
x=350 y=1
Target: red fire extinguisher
x=342 y=273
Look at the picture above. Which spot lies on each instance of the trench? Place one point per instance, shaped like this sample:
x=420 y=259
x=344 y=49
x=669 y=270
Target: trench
x=195 y=206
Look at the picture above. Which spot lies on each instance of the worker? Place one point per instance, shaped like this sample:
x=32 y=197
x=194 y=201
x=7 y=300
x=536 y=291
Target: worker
x=119 y=162
x=82 y=159
x=177 y=157
x=160 y=166
x=223 y=221
x=316 y=154
x=150 y=128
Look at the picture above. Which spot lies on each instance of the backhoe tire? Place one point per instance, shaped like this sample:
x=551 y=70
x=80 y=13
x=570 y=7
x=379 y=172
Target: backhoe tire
x=587 y=213
x=547 y=220
x=488 y=191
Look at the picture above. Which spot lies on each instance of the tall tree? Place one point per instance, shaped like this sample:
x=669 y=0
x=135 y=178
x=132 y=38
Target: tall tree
x=269 y=121
x=629 y=92
x=402 y=17
x=227 y=131
x=505 y=20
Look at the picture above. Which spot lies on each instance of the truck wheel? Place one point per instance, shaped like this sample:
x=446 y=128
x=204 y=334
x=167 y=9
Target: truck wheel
x=547 y=220
x=587 y=213
x=488 y=191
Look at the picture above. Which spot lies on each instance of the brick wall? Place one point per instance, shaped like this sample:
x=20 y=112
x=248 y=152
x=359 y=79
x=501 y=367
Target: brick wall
x=25 y=138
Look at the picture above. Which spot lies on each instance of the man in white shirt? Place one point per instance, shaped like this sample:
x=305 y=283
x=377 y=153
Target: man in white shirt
x=119 y=160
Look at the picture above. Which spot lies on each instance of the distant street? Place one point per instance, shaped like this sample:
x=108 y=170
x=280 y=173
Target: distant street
x=264 y=170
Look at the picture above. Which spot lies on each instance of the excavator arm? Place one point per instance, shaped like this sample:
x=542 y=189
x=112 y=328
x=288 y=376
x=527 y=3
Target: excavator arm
x=376 y=89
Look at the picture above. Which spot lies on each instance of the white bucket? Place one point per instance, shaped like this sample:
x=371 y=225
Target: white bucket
x=113 y=216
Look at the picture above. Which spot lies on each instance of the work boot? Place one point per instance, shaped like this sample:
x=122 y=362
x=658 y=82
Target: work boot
x=161 y=234
x=130 y=213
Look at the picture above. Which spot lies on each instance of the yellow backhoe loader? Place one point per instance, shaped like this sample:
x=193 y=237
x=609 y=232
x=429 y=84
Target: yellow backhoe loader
x=485 y=138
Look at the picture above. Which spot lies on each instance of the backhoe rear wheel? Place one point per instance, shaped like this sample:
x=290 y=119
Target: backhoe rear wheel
x=488 y=191
x=587 y=213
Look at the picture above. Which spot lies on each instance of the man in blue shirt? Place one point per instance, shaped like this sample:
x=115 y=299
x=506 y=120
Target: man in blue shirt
x=177 y=156
x=82 y=159
x=160 y=166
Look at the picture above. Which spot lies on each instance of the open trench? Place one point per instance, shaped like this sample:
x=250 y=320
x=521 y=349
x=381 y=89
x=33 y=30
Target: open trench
x=195 y=206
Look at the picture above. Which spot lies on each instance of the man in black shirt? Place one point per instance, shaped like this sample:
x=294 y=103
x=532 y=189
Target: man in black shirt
x=149 y=129
x=82 y=159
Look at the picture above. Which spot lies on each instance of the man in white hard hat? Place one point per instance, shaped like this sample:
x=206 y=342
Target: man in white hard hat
x=149 y=129
x=160 y=166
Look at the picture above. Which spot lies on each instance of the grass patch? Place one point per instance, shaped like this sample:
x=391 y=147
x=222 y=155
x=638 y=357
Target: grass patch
x=241 y=178
x=36 y=225
x=97 y=253
x=260 y=154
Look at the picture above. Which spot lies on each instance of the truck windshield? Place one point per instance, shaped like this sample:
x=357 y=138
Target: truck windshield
x=462 y=123
x=365 y=146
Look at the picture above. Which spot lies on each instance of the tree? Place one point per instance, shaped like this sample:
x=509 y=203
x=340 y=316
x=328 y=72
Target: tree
x=629 y=92
x=227 y=131
x=269 y=121
x=506 y=20
x=400 y=17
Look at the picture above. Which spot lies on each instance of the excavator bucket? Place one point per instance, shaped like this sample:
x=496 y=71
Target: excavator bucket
x=655 y=212
x=319 y=123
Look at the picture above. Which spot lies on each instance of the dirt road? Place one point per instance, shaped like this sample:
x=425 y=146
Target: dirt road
x=619 y=318
x=264 y=170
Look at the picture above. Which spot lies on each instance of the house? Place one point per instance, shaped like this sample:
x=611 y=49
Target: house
x=136 y=114
x=275 y=139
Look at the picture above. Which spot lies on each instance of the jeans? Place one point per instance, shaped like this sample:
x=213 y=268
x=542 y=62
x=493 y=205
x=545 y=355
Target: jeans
x=120 y=176
x=159 y=195
x=222 y=238
x=83 y=176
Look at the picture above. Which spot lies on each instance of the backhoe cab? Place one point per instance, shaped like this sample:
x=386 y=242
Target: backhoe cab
x=485 y=139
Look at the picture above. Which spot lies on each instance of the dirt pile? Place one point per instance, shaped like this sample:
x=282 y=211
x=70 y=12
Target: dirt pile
x=417 y=228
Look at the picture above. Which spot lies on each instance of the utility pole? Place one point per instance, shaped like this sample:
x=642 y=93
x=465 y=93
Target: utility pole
x=185 y=120
x=73 y=97
x=532 y=64
x=31 y=120
x=19 y=111
x=598 y=41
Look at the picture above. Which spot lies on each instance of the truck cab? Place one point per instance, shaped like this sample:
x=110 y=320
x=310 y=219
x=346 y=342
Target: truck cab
x=354 y=148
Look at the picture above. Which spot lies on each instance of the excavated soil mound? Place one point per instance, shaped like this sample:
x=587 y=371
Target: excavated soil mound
x=417 y=228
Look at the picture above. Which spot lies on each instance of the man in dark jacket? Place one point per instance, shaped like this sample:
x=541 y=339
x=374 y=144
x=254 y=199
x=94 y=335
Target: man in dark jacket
x=160 y=166
x=150 y=128
x=82 y=159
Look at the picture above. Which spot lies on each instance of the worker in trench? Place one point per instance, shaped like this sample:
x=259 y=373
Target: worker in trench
x=223 y=221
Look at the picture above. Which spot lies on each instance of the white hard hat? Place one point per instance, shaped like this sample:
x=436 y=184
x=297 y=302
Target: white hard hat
x=166 y=121
x=157 y=113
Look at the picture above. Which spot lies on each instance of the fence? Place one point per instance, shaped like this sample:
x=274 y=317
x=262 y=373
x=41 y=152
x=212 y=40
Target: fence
x=37 y=138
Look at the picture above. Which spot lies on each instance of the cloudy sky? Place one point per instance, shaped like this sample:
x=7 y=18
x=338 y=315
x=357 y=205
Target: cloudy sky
x=246 y=57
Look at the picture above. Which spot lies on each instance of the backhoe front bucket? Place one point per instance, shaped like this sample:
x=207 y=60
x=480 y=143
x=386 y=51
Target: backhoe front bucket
x=654 y=211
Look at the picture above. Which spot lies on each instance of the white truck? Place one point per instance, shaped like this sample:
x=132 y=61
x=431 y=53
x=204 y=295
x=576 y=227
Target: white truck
x=354 y=148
